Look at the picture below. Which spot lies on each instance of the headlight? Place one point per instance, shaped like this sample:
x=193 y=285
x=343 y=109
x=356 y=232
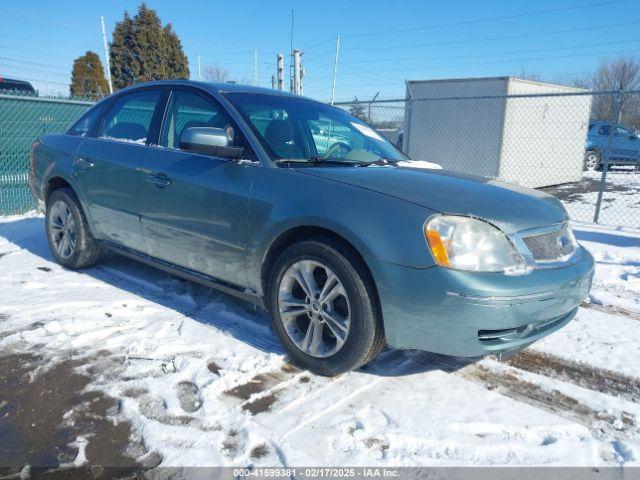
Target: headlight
x=466 y=243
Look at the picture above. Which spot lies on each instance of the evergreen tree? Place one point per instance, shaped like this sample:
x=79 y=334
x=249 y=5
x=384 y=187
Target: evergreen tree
x=124 y=64
x=358 y=110
x=143 y=50
x=87 y=77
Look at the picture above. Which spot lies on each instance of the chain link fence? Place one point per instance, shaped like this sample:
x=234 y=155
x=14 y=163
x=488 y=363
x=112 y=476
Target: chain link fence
x=580 y=146
x=22 y=119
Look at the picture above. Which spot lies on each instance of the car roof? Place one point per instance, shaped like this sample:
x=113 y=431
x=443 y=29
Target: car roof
x=15 y=82
x=216 y=87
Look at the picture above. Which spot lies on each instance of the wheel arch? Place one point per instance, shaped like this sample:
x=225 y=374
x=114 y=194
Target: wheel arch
x=56 y=183
x=301 y=233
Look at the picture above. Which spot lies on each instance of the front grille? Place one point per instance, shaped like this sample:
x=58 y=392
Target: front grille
x=547 y=247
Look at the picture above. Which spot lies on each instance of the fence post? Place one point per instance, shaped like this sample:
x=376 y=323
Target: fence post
x=607 y=152
x=406 y=127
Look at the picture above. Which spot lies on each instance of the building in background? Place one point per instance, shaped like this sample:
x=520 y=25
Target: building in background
x=500 y=127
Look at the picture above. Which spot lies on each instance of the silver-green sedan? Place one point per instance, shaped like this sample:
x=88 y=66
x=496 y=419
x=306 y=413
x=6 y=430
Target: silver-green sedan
x=311 y=214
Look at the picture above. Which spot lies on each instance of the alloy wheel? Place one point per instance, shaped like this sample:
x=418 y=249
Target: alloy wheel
x=62 y=229
x=591 y=161
x=314 y=308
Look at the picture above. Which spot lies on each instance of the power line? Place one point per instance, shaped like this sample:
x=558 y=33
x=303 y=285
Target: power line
x=502 y=62
x=490 y=39
x=316 y=45
x=462 y=23
x=486 y=20
x=379 y=74
x=63 y=25
x=37 y=64
x=492 y=54
x=350 y=64
x=47 y=23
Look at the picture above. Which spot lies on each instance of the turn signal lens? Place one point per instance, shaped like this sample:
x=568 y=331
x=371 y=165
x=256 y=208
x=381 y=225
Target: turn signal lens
x=438 y=249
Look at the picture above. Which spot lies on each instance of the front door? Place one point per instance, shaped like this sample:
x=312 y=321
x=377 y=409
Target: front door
x=194 y=206
x=107 y=168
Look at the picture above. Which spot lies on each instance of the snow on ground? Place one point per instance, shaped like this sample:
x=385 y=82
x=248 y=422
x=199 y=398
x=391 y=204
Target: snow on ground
x=620 y=200
x=203 y=379
x=617 y=280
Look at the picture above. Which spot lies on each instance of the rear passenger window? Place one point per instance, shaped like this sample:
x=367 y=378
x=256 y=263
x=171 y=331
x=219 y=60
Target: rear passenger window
x=83 y=126
x=130 y=117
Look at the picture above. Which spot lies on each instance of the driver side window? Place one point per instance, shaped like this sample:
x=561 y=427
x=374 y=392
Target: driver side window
x=187 y=109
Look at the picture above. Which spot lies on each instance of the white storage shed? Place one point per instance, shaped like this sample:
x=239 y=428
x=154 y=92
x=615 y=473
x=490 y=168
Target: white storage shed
x=494 y=127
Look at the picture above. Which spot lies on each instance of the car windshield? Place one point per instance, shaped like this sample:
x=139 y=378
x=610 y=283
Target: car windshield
x=297 y=129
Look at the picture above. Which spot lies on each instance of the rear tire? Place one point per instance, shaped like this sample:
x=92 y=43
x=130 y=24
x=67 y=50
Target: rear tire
x=70 y=240
x=338 y=296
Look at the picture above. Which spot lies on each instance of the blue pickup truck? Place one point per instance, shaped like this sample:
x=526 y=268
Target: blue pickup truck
x=625 y=146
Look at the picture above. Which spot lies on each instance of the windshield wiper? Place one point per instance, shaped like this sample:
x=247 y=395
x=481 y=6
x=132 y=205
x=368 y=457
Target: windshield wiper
x=321 y=161
x=383 y=161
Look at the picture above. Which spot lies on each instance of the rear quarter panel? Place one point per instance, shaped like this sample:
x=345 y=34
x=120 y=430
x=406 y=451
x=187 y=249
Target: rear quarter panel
x=380 y=227
x=54 y=158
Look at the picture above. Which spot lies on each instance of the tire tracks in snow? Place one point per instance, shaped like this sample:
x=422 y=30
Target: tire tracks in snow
x=517 y=379
x=614 y=310
x=510 y=383
x=587 y=376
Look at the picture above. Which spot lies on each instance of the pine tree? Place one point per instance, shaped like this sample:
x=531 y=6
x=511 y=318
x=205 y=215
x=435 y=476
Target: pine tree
x=143 y=50
x=358 y=110
x=124 y=64
x=87 y=77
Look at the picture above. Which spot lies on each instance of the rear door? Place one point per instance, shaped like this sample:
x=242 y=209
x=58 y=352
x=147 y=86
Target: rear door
x=108 y=165
x=194 y=206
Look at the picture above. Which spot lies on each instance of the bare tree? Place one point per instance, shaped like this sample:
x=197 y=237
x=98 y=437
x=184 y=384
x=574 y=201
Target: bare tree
x=214 y=73
x=529 y=75
x=618 y=74
x=577 y=80
x=581 y=80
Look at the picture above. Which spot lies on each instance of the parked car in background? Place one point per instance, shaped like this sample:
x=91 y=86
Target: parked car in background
x=8 y=85
x=345 y=244
x=625 y=146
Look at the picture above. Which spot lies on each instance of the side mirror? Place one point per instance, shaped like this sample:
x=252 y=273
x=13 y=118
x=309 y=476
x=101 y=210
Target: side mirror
x=209 y=141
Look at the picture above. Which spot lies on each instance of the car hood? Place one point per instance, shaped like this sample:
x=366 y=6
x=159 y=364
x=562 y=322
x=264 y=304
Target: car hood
x=508 y=206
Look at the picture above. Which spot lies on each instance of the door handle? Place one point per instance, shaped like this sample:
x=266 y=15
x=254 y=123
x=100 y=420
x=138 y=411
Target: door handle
x=84 y=163
x=161 y=180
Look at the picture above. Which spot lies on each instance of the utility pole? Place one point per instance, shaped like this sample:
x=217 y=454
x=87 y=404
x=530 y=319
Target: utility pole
x=297 y=74
x=199 y=70
x=371 y=103
x=255 y=67
x=335 y=70
x=273 y=82
x=106 y=54
x=291 y=53
x=280 y=71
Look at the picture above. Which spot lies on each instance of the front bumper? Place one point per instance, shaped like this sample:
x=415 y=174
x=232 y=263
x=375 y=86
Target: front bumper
x=472 y=314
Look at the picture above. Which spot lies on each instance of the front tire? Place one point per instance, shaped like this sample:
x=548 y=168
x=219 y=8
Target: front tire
x=70 y=240
x=324 y=307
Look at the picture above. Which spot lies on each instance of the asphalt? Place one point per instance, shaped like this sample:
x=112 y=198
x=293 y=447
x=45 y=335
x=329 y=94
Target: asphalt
x=49 y=421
